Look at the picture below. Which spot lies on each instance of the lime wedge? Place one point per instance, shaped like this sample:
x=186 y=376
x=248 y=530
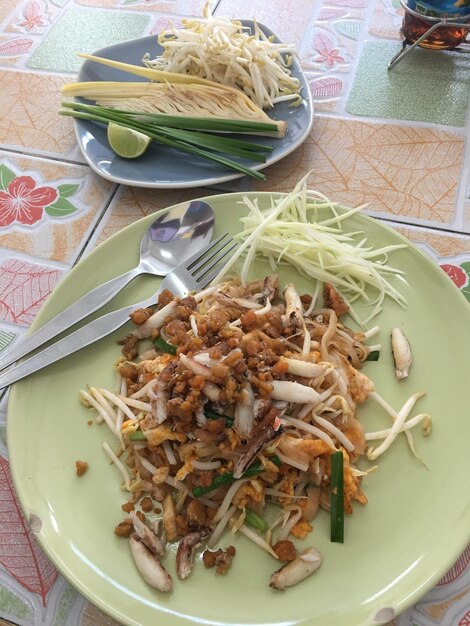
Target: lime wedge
x=127 y=142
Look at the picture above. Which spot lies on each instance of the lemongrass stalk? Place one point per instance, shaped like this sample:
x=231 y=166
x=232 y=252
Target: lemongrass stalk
x=160 y=76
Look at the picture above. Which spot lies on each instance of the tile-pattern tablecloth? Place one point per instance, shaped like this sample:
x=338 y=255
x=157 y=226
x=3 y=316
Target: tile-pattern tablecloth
x=396 y=140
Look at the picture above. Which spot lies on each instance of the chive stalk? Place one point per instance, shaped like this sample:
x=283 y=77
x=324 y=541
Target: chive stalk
x=255 y=520
x=181 y=131
x=137 y=435
x=223 y=479
x=373 y=356
x=205 y=123
x=164 y=346
x=337 y=498
x=186 y=140
x=213 y=415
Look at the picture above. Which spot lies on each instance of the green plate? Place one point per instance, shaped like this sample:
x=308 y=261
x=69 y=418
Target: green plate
x=396 y=547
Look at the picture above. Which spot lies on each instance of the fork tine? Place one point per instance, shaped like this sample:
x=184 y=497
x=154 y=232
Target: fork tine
x=211 y=272
x=194 y=262
x=214 y=257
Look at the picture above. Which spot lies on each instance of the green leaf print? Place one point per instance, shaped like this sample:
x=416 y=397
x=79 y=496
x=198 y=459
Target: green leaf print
x=64 y=603
x=6 y=176
x=61 y=208
x=14 y=606
x=349 y=28
x=466 y=268
x=6 y=337
x=67 y=190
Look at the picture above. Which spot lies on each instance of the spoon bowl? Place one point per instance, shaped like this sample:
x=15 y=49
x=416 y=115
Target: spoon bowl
x=174 y=236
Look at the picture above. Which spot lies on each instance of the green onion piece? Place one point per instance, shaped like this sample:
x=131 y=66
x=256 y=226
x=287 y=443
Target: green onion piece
x=216 y=140
x=223 y=479
x=137 y=435
x=211 y=142
x=275 y=459
x=164 y=346
x=253 y=519
x=213 y=415
x=337 y=498
x=203 y=123
x=373 y=356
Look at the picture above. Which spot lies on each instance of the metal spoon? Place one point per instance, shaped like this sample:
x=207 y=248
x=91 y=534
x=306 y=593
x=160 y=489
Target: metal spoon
x=172 y=238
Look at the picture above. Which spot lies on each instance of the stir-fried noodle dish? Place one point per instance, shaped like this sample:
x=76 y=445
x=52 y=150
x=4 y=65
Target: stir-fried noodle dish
x=241 y=415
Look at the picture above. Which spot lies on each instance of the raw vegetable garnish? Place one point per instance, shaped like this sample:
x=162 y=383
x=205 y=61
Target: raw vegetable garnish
x=178 y=111
x=337 y=498
x=304 y=230
x=223 y=51
x=193 y=104
x=208 y=146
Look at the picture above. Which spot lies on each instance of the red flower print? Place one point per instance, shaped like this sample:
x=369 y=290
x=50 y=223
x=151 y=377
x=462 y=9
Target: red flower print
x=33 y=15
x=23 y=202
x=330 y=58
x=327 y=54
x=456 y=273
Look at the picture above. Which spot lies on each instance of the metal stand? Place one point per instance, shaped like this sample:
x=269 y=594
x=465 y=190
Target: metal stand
x=436 y=22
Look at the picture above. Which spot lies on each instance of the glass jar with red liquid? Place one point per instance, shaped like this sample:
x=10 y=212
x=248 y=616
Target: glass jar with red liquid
x=445 y=37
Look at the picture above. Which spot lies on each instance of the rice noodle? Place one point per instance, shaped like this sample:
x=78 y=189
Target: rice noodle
x=303 y=467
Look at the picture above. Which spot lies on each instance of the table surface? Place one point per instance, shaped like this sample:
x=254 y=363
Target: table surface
x=395 y=140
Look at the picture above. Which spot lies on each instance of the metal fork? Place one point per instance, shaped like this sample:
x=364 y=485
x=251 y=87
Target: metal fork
x=194 y=274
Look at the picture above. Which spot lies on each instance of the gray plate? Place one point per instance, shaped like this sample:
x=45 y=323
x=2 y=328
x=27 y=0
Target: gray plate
x=163 y=167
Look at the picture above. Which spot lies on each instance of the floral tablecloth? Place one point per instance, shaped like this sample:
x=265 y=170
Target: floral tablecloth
x=408 y=156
